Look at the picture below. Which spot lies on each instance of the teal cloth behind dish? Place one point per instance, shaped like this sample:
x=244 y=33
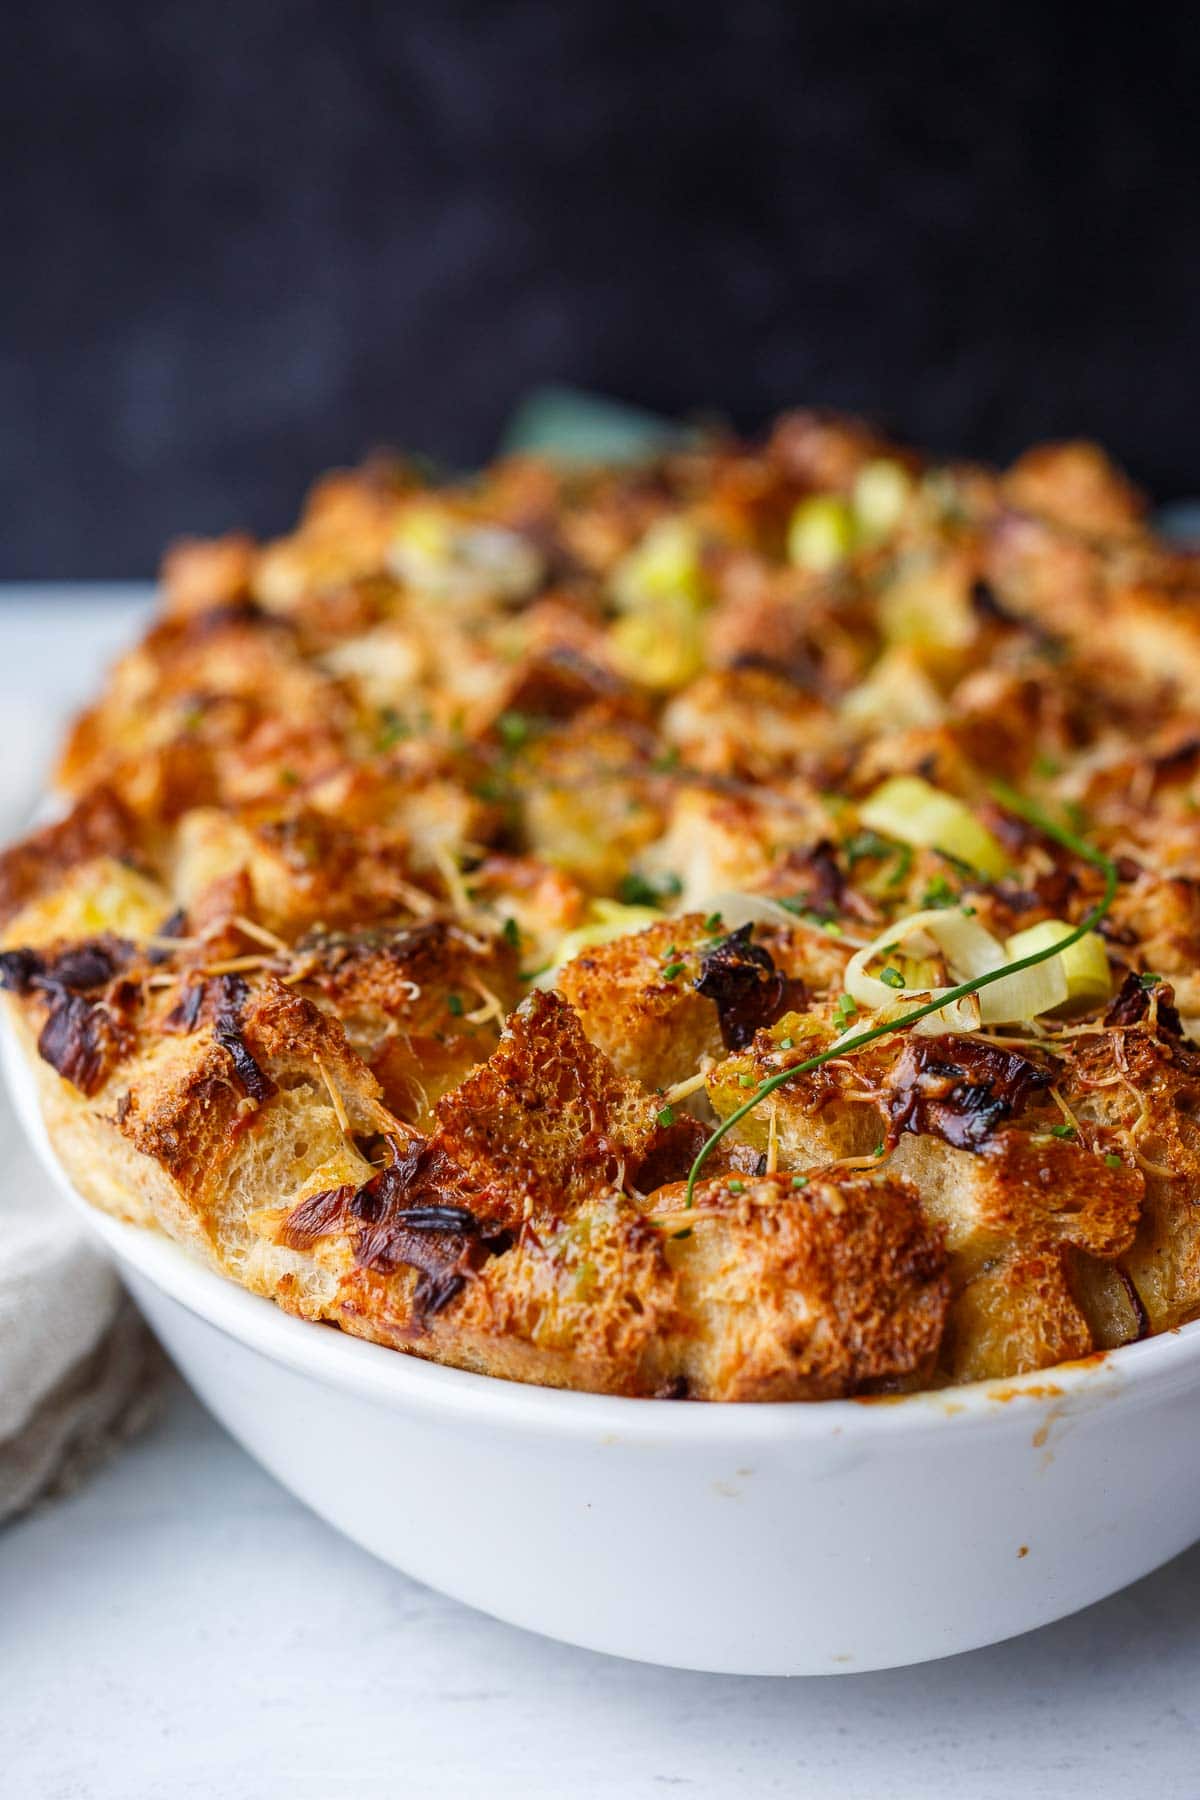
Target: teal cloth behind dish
x=572 y=425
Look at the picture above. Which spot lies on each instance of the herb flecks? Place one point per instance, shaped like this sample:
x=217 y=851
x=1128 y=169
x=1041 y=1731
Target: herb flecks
x=1060 y=834
x=644 y=890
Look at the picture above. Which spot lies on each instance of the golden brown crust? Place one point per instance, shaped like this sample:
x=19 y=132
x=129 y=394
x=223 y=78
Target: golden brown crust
x=421 y=1005
x=653 y=1028
x=326 y=972
x=548 y=1118
x=837 y=1287
x=98 y=825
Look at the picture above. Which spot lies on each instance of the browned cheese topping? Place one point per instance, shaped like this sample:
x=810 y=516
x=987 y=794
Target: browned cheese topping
x=432 y=883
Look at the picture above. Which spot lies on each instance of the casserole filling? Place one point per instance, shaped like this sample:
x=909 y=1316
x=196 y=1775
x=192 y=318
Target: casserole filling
x=724 y=928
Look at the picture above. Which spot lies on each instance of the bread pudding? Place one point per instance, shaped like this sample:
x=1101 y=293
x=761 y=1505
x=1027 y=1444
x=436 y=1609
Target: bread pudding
x=722 y=927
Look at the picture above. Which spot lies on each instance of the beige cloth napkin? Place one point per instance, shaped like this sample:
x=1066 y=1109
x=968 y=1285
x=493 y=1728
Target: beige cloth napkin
x=78 y=1370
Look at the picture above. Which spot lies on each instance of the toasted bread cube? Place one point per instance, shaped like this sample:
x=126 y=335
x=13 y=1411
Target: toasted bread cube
x=98 y=827
x=654 y=1029
x=1077 y=486
x=99 y=895
x=807 y=1293
x=715 y=841
x=548 y=1121
x=202 y=574
x=303 y=867
x=421 y=1005
x=1013 y=1215
x=1142 y=1081
x=1014 y=1207
x=747 y=720
x=813 y=1121
x=175 y=1135
x=589 y=1302
x=587 y=799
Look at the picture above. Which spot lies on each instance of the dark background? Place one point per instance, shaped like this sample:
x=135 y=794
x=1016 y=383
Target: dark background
x=242 y=242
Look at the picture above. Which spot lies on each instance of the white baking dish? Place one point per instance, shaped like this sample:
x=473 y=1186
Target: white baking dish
x=780 y=1539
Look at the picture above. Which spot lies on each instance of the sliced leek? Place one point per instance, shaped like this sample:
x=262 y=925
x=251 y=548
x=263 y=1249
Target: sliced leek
x=967 y=951
x=444 y=557
x=1084 y=963
x=733 y=909
x=928 y=605
x=821 y=533
x=661 y=649
x=910 y=809
x=1025 y=994
x=893 y=695
x=955 y=1016
x=881 y=492
x=606 y=921
x=664 y=566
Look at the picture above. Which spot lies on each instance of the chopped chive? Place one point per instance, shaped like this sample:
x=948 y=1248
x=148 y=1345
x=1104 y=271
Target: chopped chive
x=891 y=977
x=712 y=922
x=1113 y=1162
x=642 y=890
x=1149 y=980
x=1064 y=1131
x=392 y=727
x=799 y=1181
x=666 y=1116
x=512 y=933
x=454 y=1005
x=867 y=843
x=746 y=1081
x=635 y=890
x=786 y=1043
x=514 y=729
x=904 y=862
x=938 y=893
x=487 y=789
x=737 y=1187
x=672 y=970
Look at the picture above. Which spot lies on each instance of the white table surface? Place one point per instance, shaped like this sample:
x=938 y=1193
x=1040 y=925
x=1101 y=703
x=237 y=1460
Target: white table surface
x=182 y=1627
